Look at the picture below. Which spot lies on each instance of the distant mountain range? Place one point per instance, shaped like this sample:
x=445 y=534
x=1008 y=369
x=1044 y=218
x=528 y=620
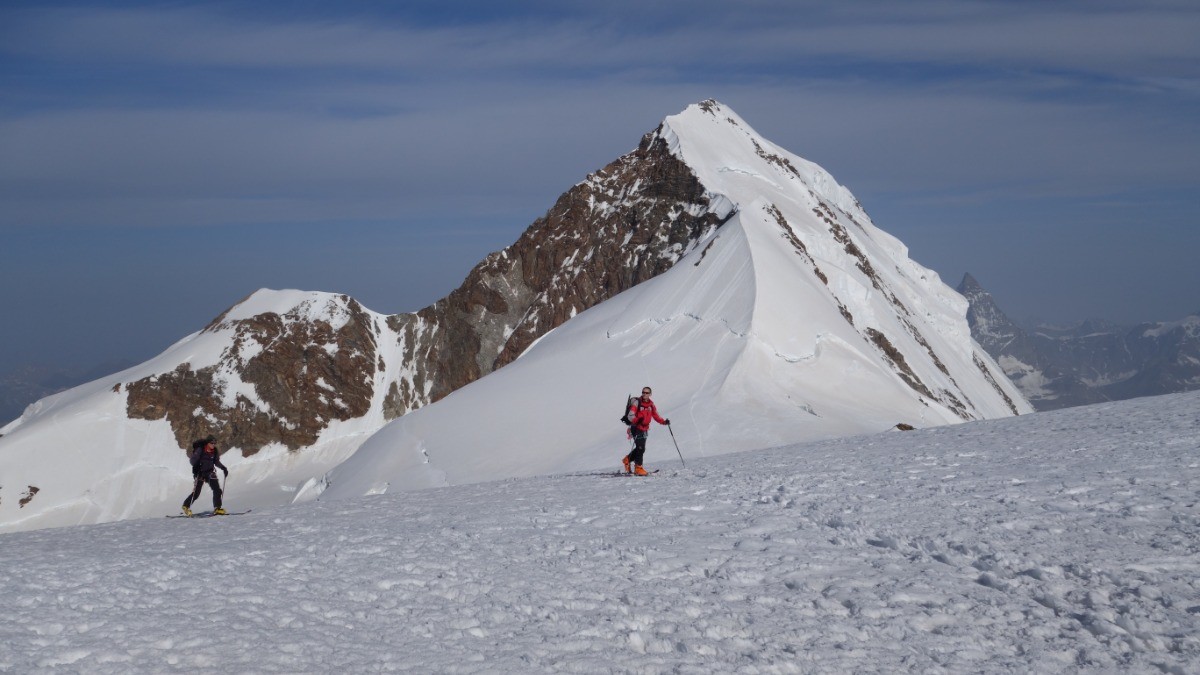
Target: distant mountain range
x=1093 y=361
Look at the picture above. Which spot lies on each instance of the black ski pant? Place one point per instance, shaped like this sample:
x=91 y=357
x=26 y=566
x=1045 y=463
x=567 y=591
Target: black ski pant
x=639 y=446
x=216 y=490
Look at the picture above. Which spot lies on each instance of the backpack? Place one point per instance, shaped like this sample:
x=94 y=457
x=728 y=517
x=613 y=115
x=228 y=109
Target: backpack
x=630 y=411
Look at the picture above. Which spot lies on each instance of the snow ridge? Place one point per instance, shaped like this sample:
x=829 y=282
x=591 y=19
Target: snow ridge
x=796 y=318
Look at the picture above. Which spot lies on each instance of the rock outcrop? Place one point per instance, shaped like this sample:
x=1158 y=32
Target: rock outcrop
x=301 y=373
x=283 y=378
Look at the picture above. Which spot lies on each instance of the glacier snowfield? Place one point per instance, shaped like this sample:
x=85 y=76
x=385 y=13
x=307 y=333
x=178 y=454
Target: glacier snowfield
x=1055 y=542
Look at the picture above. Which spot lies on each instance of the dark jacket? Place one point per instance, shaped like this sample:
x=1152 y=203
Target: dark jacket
x=204 y=463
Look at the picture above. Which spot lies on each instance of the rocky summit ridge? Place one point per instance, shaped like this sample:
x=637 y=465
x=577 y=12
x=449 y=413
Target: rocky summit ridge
x=624 y=224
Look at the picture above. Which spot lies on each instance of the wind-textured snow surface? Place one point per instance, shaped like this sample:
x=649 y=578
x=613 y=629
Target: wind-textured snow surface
x=1056 y=542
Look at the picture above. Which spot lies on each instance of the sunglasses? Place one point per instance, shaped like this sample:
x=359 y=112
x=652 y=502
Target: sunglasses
x=645 y=393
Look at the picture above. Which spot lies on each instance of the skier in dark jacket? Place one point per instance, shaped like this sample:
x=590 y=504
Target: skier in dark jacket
x=640 y=414
x=205 y=462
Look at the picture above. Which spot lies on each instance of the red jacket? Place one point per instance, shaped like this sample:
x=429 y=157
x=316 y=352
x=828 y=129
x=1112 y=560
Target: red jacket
x=643 y=412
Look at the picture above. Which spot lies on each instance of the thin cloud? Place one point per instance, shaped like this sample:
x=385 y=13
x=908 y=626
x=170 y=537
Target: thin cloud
x=1152 y=41
x=952 y=120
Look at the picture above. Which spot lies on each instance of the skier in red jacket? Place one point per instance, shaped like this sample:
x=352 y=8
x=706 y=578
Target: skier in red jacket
x=640 y=413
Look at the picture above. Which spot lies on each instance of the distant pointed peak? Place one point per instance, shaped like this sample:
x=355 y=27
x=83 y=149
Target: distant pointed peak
x=970 y=284
x=978 y=296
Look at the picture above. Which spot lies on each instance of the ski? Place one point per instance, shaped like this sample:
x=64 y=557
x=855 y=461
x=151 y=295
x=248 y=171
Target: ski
x=618 y=474
x=210 y=514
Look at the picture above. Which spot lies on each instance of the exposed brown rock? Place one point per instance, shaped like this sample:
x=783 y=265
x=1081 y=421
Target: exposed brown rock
x=778 y=160
x=845 y=312
x=306 y=374
x=896 y=358
x=28 y=496
x=832 y=218
x=801 y=249
x=629 y=222
x=624 y=224
x=704 y=253
x=987 y=374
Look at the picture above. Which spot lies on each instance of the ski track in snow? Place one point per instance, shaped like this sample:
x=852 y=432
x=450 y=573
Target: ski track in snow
x=1057 y=542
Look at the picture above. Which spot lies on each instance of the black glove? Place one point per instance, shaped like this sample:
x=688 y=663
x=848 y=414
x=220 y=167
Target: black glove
x=226 y=472
x=668 y=421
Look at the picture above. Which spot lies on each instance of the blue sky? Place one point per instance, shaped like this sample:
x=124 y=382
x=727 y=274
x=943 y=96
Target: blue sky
x=160 y=161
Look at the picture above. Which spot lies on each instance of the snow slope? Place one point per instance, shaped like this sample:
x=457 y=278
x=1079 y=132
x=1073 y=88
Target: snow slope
x=758 y=337
x=1058 y=542
x=92 y=463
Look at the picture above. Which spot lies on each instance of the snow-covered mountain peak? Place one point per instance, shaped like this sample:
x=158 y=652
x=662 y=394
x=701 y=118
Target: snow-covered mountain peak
x=741 y=279
x=731 y=158
x=793 y=319
x=291 y=304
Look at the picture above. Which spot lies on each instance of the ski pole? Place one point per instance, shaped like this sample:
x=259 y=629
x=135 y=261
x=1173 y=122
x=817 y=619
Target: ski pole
x=676 y=446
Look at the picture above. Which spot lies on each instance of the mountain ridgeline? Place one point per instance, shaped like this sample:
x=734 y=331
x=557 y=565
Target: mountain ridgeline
x=739 y=275
x=1091 y=362
x=624 y=224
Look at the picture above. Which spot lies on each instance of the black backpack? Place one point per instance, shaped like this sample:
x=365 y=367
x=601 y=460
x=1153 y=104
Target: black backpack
x=198 y=447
